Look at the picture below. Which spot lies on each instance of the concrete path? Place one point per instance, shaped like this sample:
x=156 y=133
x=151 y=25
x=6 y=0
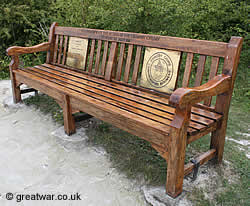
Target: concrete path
x=37 y=159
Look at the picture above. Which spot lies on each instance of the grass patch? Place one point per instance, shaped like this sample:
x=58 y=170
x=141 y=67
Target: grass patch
x=46 y=105
x=228 y=192
x=130 y=154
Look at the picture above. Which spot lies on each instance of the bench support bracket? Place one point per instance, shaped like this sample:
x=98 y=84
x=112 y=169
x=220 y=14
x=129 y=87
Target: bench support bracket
x=196 y=168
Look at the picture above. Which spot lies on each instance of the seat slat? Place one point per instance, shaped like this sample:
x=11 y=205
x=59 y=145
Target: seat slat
x=128 y=63
x=202 y=112
x=200 y=70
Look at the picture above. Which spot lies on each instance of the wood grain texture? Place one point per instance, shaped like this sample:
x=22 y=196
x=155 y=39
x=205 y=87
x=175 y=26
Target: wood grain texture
x=136 y=64
x=195 y=136
x=128 y=64
x=104 y=57
x=210 y=48
x=212 y=74
x=60 y=50
x=183 y=97
x=98 y=54
x=16 y=92
x=156 y=132
x=202 y=159
x=17 y=50
x=130 y=93
x=120 y=62
x=200 y=70
x=188 y=68
x=56 y=48
x=69 y=122
x=111 y=61
x=65 y=49
x=223 y=100
x=177 y=150
x=50 y=53
x=91 y=56
x=95 y=92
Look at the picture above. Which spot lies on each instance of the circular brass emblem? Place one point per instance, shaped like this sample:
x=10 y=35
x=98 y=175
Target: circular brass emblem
x=159 y=69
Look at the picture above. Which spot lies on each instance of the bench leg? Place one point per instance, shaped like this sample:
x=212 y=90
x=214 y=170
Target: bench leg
x=219 y=135
x=175 y=168
x=218 y=141
x=69 y=122
x=176 y=152
x=16 y=92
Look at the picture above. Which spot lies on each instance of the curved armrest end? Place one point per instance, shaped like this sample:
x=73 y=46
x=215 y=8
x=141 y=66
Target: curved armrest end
x=17 y=50
x=189 y=96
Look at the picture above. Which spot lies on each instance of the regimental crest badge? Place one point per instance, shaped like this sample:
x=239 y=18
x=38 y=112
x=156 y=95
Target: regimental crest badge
x=160 y=69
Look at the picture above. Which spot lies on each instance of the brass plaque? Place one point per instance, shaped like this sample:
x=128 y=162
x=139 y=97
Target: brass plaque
x=160 y=69
x=77 y=52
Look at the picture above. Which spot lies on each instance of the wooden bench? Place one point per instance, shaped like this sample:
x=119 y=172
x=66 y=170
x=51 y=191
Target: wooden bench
x=108 y=88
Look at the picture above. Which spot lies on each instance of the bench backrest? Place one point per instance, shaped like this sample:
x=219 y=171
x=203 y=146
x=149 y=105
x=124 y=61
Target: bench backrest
x=117 y=56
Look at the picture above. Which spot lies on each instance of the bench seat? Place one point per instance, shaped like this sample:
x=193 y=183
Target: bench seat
x=149 y=107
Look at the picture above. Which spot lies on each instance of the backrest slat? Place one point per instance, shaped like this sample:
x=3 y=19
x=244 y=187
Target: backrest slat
x=128 y=63
x=120 y=62
x=188 y=68
x=213 y=71
x=214 y=67
x=56 y=48
x=111 y=61
x=91 y=58
x=136 y=64
x=65 y=49
x=97 y=60
x=200 y=70
x=104 y=57
x=60 y=50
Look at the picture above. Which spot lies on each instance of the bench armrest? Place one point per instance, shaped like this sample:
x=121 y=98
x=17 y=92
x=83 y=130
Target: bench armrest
x=183 y=97
x=17 y=50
